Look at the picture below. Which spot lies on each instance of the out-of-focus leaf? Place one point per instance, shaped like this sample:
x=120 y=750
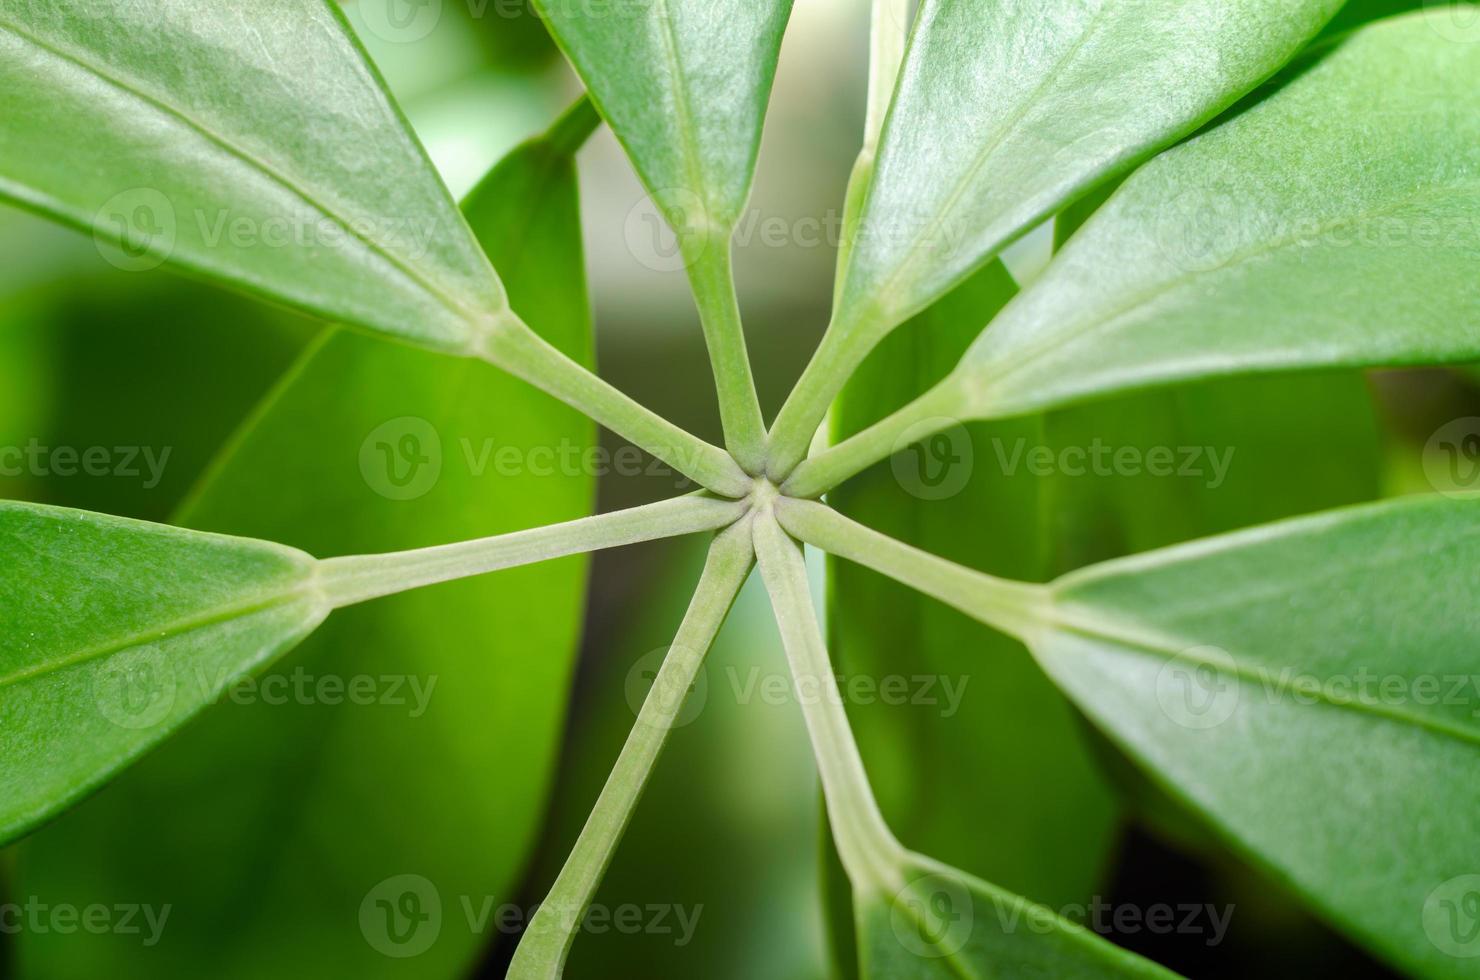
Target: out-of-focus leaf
x=117 y=632
x=321 y=819
x=127 y=118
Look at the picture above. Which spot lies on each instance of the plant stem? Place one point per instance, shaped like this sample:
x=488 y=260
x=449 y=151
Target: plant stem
x=937 y=409
x=346 y=581
x=712 y=278
x=867 y=848
x=1015 y=608
x=837 y=357
x=514 y=347
x=543 y=950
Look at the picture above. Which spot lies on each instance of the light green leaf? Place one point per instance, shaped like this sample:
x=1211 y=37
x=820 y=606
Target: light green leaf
x=248 y=143
x=1334 y=223
x=684 y=85
x=1007 y=111
x=1299 y=234
x=117 y=632
x=1004 y=113
x=1323 y=706
x=295 y=794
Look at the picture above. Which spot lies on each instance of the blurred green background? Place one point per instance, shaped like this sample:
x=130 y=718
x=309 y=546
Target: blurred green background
x=730 y=827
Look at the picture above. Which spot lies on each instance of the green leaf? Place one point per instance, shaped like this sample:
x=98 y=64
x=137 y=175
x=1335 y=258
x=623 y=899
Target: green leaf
x=117 y=631
x=1299 y=234
x=129 y=120
x=1027 y=808
x=1323 y=707
x=308 y=804
x=684 y=85
x=942 y=923
x=1005 y=113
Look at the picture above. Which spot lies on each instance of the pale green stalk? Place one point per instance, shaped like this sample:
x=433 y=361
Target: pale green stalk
x=939 y=408
x=1015 y=608
x=869 y=852
x=712 y=279
x=346 y=581
x=514 y=347
x=546 y=943
x=836 y=360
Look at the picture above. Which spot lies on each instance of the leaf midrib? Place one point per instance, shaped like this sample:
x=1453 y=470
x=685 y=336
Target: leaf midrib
x=135 y=89
x=1167 y=287
x=1089 y=626
x=176 y=629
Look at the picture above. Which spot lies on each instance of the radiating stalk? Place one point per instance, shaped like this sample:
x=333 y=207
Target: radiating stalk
x=939 y=408
x=545 y=945
x=346 y=581
x=514 y=347
x=711 y=275
x=1015 y=608
x=838 y=357
x=867 y=848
